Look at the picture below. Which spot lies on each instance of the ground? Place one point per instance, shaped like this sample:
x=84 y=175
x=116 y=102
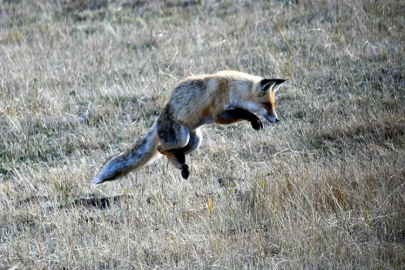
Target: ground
x=323 y=188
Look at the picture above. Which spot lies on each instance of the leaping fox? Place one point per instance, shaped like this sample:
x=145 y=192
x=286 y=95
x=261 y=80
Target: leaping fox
x=225 y=97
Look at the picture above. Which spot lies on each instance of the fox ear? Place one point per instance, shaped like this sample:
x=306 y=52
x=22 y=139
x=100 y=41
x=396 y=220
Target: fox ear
x=271 y=84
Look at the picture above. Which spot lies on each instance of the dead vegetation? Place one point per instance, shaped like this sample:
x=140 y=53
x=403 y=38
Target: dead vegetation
x=323 y=188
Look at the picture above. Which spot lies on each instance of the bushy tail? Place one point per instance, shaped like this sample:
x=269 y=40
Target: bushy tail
x=143 y=152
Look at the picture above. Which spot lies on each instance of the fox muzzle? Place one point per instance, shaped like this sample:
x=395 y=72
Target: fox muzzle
x=271 y=118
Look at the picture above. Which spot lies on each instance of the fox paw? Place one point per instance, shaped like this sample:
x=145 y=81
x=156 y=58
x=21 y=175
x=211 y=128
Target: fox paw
x=185 y=172
x=257 y=124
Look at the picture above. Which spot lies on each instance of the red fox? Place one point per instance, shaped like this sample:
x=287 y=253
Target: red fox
x=225 y=97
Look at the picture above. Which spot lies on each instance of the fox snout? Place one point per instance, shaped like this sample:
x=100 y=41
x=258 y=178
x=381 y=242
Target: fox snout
x=270 y=114
x=271 y=118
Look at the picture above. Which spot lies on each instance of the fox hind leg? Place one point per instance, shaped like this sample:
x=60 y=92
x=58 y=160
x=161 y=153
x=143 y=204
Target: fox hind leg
x=178 y=159
x=179 y=156
x=194 y=142
x=173 y=138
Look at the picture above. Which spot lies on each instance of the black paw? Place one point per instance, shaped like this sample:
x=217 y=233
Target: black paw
x=180 y=156
x=185 y=172
x=257 y=123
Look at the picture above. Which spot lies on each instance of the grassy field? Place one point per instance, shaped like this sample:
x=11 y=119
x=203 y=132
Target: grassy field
x=322 y=189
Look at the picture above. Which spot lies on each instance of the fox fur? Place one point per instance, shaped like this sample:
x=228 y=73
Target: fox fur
x=225 y=97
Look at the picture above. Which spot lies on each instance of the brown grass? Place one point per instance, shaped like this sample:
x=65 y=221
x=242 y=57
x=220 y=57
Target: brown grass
x=324 y=188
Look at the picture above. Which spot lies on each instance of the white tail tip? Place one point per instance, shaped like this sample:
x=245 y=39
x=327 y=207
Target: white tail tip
x=97 y=181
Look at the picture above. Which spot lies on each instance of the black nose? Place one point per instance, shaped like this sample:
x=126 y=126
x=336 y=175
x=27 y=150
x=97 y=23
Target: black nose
x=277 y=120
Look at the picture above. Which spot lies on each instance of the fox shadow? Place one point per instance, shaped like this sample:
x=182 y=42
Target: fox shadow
x=91 y=202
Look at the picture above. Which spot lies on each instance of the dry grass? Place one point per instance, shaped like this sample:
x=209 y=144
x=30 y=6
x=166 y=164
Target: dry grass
x=324 y=188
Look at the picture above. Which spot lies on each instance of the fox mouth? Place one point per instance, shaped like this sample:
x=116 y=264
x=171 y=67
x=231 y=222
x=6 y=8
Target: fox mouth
x=271 y=118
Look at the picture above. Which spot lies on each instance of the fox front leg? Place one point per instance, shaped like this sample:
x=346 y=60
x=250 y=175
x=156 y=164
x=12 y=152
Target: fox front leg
x=235 y=115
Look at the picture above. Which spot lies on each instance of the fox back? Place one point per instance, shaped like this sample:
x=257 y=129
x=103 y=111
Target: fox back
x=197 y=99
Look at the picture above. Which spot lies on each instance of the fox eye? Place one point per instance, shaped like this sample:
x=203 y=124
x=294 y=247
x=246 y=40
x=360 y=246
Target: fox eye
x=267 y=105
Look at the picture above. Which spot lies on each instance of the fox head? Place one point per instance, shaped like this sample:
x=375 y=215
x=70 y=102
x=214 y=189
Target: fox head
x=266 y=91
